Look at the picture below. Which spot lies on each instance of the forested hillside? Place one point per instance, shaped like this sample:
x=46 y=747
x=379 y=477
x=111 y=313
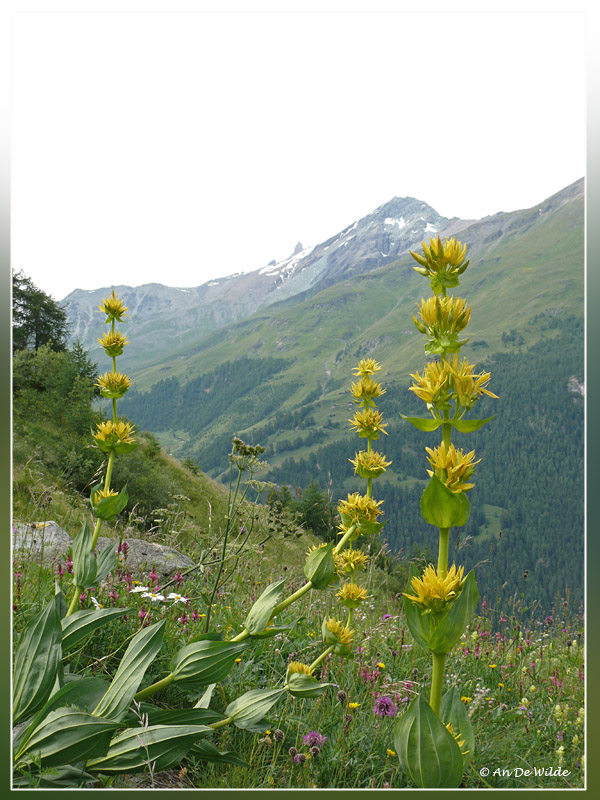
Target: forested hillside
x=529 y=485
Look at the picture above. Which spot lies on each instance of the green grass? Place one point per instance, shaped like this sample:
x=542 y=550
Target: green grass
x=523 y=687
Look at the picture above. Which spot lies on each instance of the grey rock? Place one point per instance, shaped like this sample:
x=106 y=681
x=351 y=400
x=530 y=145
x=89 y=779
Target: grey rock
x=47 y=543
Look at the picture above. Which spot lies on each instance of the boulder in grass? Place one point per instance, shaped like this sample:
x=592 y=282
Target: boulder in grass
x=47 y=543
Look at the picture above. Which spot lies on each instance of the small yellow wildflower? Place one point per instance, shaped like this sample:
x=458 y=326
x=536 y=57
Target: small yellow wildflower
x=501 y=685
x=391 y=752
x=369 y=464
x=367 y=366
x=466 y=700
x=113 y=343
x=453 y=467
x=353 y=706
x=237 y=661
x=380 y=664
x=368 y=423
x=492 y=666
x=352 y=595
x=435 y=592
x=113 y=384
x=113 y=307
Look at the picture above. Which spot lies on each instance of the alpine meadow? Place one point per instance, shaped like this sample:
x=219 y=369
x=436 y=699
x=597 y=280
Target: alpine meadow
x=317 y=525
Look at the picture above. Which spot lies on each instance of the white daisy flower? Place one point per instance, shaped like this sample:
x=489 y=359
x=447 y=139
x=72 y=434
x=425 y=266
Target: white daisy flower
x=139 y=589
x=156 y=598
x=97 y=605
x=177 y=598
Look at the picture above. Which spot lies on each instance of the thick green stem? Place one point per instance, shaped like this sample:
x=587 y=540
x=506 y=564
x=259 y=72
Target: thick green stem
x=79 y=589
x=153 y=688
x=322 y=657
x=437 y=681
x=299 y=592
x=442 y=566
x=220 y=723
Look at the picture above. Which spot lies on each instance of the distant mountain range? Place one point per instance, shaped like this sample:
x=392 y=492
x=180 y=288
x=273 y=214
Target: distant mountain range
x=163 y=318
x=268 y=356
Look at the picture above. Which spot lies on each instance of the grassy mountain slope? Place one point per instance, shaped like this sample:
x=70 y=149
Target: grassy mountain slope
x=280 y=377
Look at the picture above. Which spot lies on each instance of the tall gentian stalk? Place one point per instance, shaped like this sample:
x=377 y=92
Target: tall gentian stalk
x=112 y=437
x=326 y=564
x=439 y=602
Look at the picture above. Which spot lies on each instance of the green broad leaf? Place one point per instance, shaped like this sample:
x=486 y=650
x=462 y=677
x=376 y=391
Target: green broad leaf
x=453 y=710
x=426 y=750
x=470 y=425
x=213 y=636
x=106 y=561
x=82 y=623
x=302 y=685
x=423 y=423
x=368 y=528
x=204 y=701
x=260 y=613
x=183 y=716
x=83 y=694
x=37 y=661
x=273 y=630
x=142 y=651
x=443 y=508
x=206 y=751
x=253 y=706
x=419 y=622
x=84 y=560
x=67 y=735
x=136 y=749
x=125 y=447
x=207 y=661
x=69 y=776
x=109 y=507
x=319 y=568
x=343 y=650
x=454 y=621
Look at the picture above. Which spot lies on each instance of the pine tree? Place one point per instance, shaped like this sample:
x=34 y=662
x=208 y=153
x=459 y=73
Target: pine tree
x=37 y=317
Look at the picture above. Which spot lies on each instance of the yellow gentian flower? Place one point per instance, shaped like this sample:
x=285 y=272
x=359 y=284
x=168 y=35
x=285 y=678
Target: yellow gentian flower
x=435 y=592
x=453 y=467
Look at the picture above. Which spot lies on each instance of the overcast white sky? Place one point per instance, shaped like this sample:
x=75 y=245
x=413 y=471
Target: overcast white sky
x=177 y=147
